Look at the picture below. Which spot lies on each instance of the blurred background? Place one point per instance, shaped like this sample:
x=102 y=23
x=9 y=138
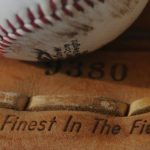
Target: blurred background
x=140 y=31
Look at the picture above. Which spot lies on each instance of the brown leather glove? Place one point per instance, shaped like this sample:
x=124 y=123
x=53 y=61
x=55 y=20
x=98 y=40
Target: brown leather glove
x=86 y=103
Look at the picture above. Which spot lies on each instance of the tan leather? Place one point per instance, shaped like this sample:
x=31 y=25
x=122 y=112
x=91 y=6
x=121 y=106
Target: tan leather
x=68 y=105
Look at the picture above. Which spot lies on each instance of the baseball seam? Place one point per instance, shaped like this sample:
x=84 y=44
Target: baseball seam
x=36 y=23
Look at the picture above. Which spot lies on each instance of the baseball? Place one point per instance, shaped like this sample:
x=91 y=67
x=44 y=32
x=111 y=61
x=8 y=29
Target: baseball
x=37 y=30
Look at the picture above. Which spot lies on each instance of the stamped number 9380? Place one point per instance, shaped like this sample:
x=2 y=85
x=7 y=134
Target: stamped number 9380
x=96 y=70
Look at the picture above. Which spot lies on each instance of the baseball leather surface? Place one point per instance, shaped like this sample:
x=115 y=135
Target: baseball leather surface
x=36 y=30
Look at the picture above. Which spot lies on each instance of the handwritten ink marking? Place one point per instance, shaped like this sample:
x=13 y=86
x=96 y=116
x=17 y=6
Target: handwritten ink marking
x=72 y=48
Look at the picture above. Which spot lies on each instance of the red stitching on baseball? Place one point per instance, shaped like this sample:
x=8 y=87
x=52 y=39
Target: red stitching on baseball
x=54 y=10
x=78 y=6
x=42 y=16
x=32 y=18
x=22 y=24
x=90 y=3
x=4 y=43
x=65 y=10
x=12 y=27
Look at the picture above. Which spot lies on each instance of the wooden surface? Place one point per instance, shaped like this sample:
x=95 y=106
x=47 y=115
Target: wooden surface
x=119 y=71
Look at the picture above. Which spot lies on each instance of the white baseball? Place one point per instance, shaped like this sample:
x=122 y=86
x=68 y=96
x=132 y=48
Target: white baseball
x=36 y=30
